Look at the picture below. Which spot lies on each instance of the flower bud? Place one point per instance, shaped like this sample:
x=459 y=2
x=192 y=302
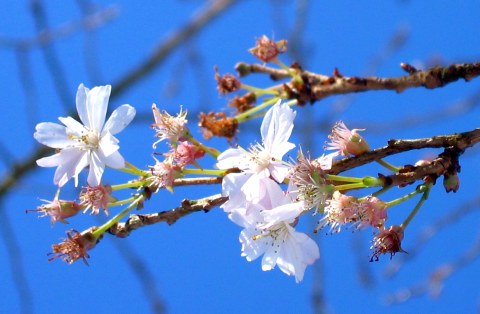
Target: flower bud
x=58 y=210
x=451 y=182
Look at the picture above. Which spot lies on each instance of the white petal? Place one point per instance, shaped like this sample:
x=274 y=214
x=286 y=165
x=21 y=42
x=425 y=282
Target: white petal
x=299 y=252
x=96 y=169
x=51 y=134
x=95 y=107
x=278 y=171
x=280 y=149
x=108 y=144
x=252 y=249
x=269 y=260
x=50 y=161
x=282 y=214
x=115 y=161
x=119 y=119
x=72 y=161
x=81 y=101
x=277 y=125
x=73 y=125
x=233 y=158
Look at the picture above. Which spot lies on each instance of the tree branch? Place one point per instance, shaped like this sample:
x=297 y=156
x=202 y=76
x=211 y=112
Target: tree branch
x=187 y=207
x=322 y=86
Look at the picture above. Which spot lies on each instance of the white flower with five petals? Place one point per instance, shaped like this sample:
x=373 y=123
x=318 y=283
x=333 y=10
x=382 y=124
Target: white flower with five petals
x=89 y=144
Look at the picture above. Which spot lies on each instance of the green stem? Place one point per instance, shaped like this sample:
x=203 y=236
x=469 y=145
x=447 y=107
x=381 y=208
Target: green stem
x=214 y=172
x=122 y=202
x=259 y=91
x=247 y=115
x=349 y=186
x=425 y=189
x=381 y=191
x=129 y=168
x=333 y=177
x=297 y=78
x=420 y=189
x=388 y=165
x=101 y=230
x=122 y=186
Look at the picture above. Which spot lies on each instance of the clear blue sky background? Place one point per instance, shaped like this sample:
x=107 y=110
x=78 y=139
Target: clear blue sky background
x=195 y=265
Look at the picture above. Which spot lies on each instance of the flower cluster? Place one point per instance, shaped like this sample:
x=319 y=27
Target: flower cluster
x=258 y=204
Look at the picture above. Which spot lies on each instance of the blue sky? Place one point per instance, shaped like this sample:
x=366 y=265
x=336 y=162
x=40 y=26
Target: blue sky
x=195 y=264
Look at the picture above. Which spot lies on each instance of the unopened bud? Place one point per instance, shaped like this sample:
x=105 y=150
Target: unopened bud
x=451 y=182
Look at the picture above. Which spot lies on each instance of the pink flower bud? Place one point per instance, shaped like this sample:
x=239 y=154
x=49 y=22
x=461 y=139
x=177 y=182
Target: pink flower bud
x=186 y=153
x=58 y=210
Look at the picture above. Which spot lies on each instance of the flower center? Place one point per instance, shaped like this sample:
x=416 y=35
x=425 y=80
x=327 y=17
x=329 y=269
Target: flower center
x=88 y=140
x=261 y=157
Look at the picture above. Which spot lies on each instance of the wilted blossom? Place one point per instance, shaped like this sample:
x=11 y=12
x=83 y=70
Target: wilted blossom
x=347 y=142
x=387 y=241
x=75 y=247
x=267 y=50
x=163 y=175
x=168 y=127
x=97 y=197
x=307 y=181
x=89 y=144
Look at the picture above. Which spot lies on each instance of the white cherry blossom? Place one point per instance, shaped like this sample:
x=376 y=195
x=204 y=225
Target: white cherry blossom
x=269 y=232
x=261 y=161
x=89 y=144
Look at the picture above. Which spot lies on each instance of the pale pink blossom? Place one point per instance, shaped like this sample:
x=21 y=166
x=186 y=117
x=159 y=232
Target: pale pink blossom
x=346 y=142
x=168 y=127
x=95 y=198
x=163 y=175
x=307 y=181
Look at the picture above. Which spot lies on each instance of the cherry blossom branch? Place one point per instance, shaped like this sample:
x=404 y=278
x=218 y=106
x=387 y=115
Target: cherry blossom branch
x=322 y=86
x=135 y=221
x=454 y=144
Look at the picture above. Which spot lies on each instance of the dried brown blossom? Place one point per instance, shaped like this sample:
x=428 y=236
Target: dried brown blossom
x=75 y=246
x=218 y=124
x=227 y=83
x=244 y=103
